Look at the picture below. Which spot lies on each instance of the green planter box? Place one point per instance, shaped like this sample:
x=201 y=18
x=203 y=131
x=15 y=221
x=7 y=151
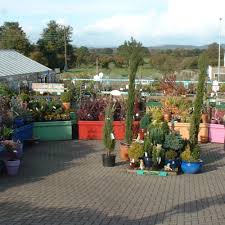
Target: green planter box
x=53 y=130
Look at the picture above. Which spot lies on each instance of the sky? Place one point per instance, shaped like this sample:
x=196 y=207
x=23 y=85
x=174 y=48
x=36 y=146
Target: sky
x=102 y=23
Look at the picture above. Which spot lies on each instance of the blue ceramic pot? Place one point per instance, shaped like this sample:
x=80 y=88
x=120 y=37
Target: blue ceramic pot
x=191 y=167
x=174 y=163
x=18 y=122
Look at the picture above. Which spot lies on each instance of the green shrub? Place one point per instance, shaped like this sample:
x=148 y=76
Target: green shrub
x=145 y=121
x=157 y=132
x=148 y=146
x=156 y=114
x=24 y=97
x=66 y=96
x=165 y=128
x=136 y=151
x=6 y=133
x=191 y=156
x=170 y=155
x=173 y=141
x=157 y=154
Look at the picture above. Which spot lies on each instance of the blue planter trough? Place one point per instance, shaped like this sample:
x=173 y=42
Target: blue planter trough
x=191 y=167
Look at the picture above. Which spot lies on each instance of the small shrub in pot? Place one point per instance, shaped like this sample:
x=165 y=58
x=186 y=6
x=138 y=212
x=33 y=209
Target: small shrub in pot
x=108 y=159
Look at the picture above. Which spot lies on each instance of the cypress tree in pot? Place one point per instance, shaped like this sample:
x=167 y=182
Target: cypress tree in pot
x=133 y=52
x=191 y=162
x=108 y=159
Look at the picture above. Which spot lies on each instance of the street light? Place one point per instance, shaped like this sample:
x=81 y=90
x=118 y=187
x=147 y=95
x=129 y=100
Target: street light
x=218 y=78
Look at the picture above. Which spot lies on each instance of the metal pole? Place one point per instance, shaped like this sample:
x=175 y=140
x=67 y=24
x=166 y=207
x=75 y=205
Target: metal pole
x=65 y=50
x=218 y=78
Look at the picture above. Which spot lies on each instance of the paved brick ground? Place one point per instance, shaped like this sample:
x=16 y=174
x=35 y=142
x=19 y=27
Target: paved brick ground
x=64 y=183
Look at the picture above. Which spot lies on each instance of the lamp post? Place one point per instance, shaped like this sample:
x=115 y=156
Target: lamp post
x=218 y=78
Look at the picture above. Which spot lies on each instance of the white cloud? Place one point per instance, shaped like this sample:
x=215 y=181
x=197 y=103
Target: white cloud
x=100 y=21
x=182 y=18
x=125 y=25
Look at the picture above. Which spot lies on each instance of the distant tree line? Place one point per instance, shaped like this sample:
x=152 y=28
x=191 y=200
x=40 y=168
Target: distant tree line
x=50 y=47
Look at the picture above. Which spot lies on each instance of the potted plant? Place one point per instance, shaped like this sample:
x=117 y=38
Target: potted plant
x=191 y=162
x=157 y=156
x=25 y=98
x=135 y=152
x=171 y=159
x=173 y=141
x=13 y=153
x=108 y=159
x=66 y=99
x=6 y=133
x=133 y=52
x=147 y=152
x=144 y=123
x=204 y=116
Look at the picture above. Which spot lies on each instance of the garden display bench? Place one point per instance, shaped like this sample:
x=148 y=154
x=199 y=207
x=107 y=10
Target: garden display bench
x=53 y=130
x=93 y=130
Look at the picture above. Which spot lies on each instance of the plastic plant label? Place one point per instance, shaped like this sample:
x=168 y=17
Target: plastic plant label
x=112 y=136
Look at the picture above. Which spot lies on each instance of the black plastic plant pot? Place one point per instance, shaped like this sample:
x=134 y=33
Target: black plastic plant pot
x=108 y=160
x=147 y=162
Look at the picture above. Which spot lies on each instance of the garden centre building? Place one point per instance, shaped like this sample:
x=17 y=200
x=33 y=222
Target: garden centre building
x=17 y=69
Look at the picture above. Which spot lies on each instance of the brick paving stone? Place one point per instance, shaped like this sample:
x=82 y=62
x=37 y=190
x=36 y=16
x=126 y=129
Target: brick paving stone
x=64 y=183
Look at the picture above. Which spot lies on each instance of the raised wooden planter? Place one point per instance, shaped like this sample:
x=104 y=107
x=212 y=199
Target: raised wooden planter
x=184 y=128
x=216 y=133
x=93 y=130
x=53 y=130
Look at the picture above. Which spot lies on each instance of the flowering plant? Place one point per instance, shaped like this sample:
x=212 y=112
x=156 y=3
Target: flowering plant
x=12 y=148
x=9 y=144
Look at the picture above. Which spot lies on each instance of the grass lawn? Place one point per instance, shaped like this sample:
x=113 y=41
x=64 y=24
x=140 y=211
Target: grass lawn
x=144 y=71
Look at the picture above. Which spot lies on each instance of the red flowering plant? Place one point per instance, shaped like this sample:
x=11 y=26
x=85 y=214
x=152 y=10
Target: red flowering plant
x=92 y=109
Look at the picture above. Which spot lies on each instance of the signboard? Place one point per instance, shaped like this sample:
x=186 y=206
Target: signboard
x=48 y=87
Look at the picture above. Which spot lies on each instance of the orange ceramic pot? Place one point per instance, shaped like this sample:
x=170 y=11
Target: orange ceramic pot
x=205 y=118
x=66 y=105
x=124 y=151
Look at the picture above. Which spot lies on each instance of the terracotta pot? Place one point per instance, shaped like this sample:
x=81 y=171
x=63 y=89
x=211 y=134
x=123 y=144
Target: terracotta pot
x=66 y=105
x=124 y=151
x=205 y=118
x=204 y=139
x=167 y=117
